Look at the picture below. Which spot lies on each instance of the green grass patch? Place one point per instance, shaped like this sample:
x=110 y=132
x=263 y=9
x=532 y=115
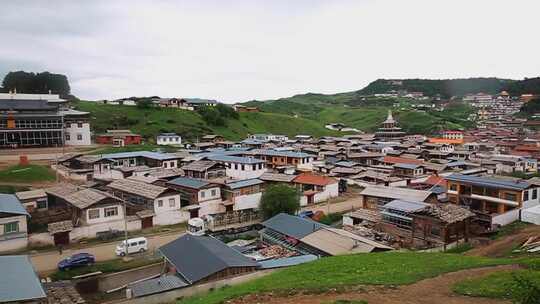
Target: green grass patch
x=30 y=173
x=461 y=248
x=393 y=268
x=115 y=265
x=329 y=219
x=498 y=285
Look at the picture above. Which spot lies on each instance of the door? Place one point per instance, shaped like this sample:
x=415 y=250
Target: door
x=147 y=222
x=61 y=238
x=194 y=213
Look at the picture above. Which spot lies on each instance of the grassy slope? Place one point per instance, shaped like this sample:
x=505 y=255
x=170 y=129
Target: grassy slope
x=380 y=268
x=150 y=122
x=500 y=285
x=30 y=173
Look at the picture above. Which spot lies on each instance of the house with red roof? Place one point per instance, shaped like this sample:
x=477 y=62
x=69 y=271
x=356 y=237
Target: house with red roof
x=315 y=188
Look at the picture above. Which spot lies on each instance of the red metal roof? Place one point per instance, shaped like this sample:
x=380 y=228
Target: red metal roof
x=312 y=179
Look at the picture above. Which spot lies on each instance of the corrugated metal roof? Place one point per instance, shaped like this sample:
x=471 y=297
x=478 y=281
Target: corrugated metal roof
x=19 y=281
x=405 y=206
x=137 y=188
x=9 y=203
x=244 y=183
x=397 y=193
x=147 y=154
x=489 y=182
x=23 y=195
x=189 y=182
x=277 y=177
x=197 y=257
x=156 y=285
x=285 y=262
x=235 y=159
x=292 y=225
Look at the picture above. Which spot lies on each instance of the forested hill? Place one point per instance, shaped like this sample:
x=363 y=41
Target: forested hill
x=443 y=87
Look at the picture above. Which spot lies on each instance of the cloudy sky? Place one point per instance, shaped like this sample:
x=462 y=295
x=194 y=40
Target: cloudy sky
x=242 y=50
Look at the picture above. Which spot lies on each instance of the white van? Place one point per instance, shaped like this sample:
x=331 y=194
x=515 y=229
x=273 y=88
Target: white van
x=135 y=245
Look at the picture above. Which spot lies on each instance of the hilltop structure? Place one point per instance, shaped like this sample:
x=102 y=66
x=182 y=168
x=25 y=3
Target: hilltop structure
x=390 y=129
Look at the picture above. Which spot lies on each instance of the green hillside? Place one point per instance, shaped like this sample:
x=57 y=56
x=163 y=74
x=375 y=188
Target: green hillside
x=152 y=121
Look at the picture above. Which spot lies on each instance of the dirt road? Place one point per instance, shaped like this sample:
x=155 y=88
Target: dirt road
x=503 y=246
x=340 y=207
x=47 y=261
x=429 y=291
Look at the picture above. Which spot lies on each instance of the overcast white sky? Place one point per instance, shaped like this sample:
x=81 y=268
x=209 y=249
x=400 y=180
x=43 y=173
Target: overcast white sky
x=242 y=50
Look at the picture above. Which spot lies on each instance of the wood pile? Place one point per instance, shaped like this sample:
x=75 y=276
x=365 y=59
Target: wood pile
x=276 y=251
x=532 y=244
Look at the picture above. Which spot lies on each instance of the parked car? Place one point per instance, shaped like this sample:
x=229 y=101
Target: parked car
x=306 y=214
x=135 y=245
x=76 y=260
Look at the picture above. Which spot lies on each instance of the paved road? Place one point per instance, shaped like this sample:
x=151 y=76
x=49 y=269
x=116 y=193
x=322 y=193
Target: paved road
x=47 y=261
x=341 y=207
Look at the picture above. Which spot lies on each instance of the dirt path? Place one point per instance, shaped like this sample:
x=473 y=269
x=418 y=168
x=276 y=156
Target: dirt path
x=502 y=247
x=429 y=291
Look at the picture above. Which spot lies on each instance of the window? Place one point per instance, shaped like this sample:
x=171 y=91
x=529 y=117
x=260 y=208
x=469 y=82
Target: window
x=254 y=167
x=243 y=167
x=79 y=125
x=111 y=211
x=42 y=204
x=67 y=137
x=160 y=203
x=453 y=187
x=93 y=214
x=510 y=197
x=435 y=231
x=235 y=166
x=203 y=194
x=214 y=192
x=525 y=195
x=11 y=227
x=535 y=194
x=142 y=242
x=79 y=136
x=165 y=165
x=172 y=202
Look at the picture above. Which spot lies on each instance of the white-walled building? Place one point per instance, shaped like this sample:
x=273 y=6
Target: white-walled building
x=243 y=195
x=163 y=203
x=241 y=167
x=13 y=224
x=316 y=188
x=199 y=197
x=165 y=139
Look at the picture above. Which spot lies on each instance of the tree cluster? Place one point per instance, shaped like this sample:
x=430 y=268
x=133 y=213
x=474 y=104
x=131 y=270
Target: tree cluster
x=218 y=115
x=40 y=83
x=279 y=198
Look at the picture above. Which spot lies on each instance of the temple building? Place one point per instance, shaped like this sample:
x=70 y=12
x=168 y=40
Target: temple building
x=33 y=120
x=389 y=129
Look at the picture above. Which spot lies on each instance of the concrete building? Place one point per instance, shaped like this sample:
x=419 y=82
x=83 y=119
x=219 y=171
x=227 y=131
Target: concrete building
x=165 y=139
x=13 y=224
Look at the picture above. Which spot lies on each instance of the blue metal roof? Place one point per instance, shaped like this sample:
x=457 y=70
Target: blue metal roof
x=189 y=182
x=285 y=262
x=147 y=154
x=19 y=281
x=244 y=183
x=489 y=182
x=291 y=225
x=235 y=159
x=9 y=203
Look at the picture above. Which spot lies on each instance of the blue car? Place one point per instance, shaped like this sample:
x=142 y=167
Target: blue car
x=76 y=260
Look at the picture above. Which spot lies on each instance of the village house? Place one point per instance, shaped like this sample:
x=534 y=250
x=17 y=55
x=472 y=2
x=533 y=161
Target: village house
x=316 y=188
x=204 y=169
x=242 y=195
x=33 y=200
x=75 y=213
x=199 y=197
x=375 y=197
x=240 y=167
x=161 y=205
x=274 y=159
x=121 y=165
x=165 y=139
x=212 y=138
x=496 y=201
x=118 y=138
x=13 y=224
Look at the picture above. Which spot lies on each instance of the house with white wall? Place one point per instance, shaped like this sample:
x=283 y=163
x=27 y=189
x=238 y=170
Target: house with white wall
x=241 y=167
x=112 y=166
x=13 y=224
x=164 y=203
x=242 y=195
x=199 y=197
x=316 y=188
x=165 y=139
